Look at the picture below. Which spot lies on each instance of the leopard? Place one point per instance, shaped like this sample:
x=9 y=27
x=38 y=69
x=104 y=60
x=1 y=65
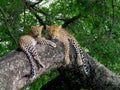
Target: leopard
x=27 y=43
x=61 y=34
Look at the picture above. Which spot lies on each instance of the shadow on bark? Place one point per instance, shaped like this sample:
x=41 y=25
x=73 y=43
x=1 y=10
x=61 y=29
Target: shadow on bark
x=15 y=65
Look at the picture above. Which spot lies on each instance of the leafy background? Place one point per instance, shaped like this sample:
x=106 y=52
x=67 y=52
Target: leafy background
x=95 y=24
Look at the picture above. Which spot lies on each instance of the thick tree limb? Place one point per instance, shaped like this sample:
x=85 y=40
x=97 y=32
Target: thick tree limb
x=68 y=21
x=15 y=65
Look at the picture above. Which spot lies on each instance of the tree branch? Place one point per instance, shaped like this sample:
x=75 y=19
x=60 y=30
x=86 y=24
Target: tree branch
x=113 y=20
x=7 y=25
x=68 y=21
x=40 y=11
x=24 y=16
x=35 y=13
x=33 y=4
x=15 y=65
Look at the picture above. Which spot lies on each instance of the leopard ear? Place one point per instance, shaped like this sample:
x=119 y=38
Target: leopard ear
x=32 y=27
x=41 y=27
x=60 y=26
x=47 y=26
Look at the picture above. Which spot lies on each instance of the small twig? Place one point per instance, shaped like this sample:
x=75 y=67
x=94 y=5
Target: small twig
x=33 y=5
x=113 y=20
x=62 y=19
x=116 y=6
x=113 y=15
x=7 y=25
x=0 y=40
x=40 y=11
x=24 y=15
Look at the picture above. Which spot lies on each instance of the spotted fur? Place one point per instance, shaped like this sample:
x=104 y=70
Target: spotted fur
x=27 y=44
x=62 y=35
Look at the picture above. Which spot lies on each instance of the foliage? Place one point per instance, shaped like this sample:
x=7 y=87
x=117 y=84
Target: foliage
x=42 y=80
x=96 y=28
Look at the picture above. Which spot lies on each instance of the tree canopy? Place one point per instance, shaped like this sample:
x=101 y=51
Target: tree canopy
x=94 y=23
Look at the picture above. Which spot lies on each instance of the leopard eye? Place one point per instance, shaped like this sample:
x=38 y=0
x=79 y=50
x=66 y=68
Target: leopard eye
x=53 y=30
x=36 y=31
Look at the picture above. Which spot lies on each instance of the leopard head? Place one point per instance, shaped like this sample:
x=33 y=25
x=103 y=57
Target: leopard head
x=53 y=31
x=36 y=31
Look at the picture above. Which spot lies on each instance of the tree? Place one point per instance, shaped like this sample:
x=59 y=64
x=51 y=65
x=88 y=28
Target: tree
x=15 y=65
x=94 y=24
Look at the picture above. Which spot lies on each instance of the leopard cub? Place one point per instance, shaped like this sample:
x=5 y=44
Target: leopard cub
x=62 y=35
x=27 y=44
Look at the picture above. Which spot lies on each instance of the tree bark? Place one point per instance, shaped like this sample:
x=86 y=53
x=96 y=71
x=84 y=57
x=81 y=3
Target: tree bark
x=15 y=65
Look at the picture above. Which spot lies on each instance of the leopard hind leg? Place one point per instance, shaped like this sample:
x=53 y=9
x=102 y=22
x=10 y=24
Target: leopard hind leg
x=32 y=65
x=35 y=55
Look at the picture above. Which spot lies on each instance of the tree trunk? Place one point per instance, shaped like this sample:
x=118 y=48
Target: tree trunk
x=15 y=65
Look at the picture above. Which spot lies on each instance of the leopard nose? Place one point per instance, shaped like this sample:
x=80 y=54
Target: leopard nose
x=49 y=37
x=53 y=38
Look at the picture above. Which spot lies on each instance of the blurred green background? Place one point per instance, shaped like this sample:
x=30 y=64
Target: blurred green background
x=94 y=23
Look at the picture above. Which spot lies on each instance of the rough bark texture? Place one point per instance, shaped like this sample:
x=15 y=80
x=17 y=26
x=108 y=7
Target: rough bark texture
x=15 y=65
